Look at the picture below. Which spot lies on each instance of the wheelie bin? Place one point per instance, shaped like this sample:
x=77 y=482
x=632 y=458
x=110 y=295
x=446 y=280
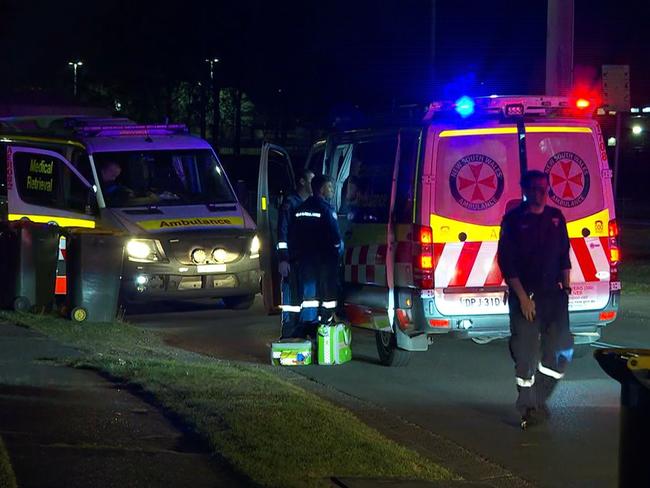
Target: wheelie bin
x=29 y=253
x=631 y=368
x=94 y=274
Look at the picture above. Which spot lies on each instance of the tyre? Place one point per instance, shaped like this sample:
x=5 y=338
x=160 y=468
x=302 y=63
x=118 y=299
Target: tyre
x=389 y=353
x=241 y=302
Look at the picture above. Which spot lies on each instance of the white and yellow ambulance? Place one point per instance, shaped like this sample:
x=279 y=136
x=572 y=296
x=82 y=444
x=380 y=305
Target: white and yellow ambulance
x=188 y=235
x=420 y=209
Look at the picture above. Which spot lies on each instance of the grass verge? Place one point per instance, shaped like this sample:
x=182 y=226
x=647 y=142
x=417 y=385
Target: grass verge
x=7 y=476
x=274 y=432
x=635 y=276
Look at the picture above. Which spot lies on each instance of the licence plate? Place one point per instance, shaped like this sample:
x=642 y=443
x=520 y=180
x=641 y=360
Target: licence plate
x=482 y=302
x=211 y=268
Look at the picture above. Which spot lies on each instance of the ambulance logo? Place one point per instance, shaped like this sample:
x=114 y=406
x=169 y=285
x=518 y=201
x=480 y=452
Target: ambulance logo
x=569 y=178
x=476 y=182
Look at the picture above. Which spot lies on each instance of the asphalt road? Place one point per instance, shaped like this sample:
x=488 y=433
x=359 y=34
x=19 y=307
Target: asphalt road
x=458 y=389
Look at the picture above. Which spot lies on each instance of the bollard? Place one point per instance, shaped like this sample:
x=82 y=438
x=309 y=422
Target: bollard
x=631 y=367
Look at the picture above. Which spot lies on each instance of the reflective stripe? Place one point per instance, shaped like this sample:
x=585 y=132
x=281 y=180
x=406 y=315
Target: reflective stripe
x=310 y=304
x=308 y=214
x=62 y=221
x=331 y=304
x=283 y=245
x=290 y=308
x=524 y=383
x=549 y=372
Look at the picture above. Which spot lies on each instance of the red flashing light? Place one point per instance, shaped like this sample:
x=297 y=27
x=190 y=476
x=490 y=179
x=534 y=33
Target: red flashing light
x=582 y=103
x=614 y=251
x=426 y=262
x=613 y=228
x=423 y=257
x=426 y=235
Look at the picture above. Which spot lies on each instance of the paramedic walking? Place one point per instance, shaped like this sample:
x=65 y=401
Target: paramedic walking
x=534 y=258
x=315 y=244
x=290 y=307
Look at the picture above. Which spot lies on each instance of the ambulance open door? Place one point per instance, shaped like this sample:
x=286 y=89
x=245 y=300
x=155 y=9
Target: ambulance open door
x=276 y=179
x=42 y=186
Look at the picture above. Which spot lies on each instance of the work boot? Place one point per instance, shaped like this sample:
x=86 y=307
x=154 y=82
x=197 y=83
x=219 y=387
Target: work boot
x=531 y=418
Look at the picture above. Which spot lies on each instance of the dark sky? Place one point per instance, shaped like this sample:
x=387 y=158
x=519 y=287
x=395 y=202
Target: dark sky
x=321 y=54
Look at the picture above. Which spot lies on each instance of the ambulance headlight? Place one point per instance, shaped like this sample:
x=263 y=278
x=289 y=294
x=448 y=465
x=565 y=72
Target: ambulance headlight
x=255 y=247
x=142 y=250
x=199 y=256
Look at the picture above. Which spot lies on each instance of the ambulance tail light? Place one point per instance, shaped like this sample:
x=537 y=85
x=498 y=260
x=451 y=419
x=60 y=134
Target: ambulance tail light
x=423 y=257
x=614 y=250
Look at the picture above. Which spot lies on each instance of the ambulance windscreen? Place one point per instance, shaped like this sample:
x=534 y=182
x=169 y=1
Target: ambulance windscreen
x=162 y=178
x=571 y=161
x=477 y=175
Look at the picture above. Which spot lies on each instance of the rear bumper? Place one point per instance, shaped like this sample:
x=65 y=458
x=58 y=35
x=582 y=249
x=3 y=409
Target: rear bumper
x=584 y=324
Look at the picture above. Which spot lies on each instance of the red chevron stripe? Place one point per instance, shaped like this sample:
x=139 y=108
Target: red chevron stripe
x=584 y=259
x=465 y=263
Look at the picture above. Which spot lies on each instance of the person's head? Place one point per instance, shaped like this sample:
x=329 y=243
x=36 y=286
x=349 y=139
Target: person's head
x=303 y=181
x=322 y=186
x=110 y=171
x=535 y=186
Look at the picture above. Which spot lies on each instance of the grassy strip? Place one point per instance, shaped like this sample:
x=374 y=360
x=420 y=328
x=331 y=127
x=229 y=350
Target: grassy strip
x=7 y=476
x=635 y=276
x=274 y=432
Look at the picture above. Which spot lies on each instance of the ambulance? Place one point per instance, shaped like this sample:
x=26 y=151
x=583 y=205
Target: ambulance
x=420 y=208
x=187 y=236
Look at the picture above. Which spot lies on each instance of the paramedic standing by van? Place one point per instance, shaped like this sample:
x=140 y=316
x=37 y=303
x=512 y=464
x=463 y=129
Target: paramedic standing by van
x=291 y=202
x=534 y=258
x=315 y=244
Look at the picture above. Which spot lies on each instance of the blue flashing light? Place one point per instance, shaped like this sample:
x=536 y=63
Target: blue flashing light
x=465 y=106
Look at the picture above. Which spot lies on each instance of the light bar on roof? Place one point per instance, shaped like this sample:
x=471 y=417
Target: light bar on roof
x=132 y=130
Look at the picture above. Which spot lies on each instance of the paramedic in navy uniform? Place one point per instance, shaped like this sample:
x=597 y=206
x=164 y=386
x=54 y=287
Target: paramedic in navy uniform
x=315 y=244
x=534 y=258
x=290 y=308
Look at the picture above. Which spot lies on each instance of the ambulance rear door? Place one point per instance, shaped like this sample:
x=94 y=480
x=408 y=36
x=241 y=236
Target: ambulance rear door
x=476 y=173
x=580 y=187
x=276 y=179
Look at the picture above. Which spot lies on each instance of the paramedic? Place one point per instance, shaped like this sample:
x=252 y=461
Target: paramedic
x=290 y=307
x=533 y=255
x=113 y=191
x=315 y=244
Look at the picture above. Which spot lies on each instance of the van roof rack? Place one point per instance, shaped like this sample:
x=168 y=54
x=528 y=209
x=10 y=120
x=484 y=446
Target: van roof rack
x=514 y=106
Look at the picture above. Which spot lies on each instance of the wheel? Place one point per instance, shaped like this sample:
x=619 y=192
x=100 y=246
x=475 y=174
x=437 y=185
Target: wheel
x=389 y=353
x=79 y=314
x=241 y=302
x=21 y=304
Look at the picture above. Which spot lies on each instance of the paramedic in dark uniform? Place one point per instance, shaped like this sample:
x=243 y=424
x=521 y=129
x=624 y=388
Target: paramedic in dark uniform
x=534 y=258
x=290 y=308
x=315 y=244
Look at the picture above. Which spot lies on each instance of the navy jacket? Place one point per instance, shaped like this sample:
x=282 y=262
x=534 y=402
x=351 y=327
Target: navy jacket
x=534 y=248
x=314 y=233
x=289 y=205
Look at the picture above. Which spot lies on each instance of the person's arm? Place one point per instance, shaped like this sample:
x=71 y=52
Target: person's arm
x=507 y=259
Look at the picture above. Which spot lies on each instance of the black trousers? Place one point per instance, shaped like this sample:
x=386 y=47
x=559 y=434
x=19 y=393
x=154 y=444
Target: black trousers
x=541 y=349
x=318 y=289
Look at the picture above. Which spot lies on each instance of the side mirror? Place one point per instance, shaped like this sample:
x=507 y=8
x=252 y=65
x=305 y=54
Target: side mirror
x=92 y=207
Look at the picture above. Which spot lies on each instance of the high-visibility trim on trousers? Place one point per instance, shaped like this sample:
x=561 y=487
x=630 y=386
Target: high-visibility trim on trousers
x=310 y=304
x=550 y=372
x=526 y=383
x=283 y=245
x=290 y=308
x=330 y=304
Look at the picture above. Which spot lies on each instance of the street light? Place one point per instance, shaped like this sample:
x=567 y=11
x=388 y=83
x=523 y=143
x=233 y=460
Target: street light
x=212 y=62
x=637 y=129
x=75 y=65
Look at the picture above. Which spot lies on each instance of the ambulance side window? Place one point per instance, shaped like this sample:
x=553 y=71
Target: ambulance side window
x=366 y=192
x=46 y=181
